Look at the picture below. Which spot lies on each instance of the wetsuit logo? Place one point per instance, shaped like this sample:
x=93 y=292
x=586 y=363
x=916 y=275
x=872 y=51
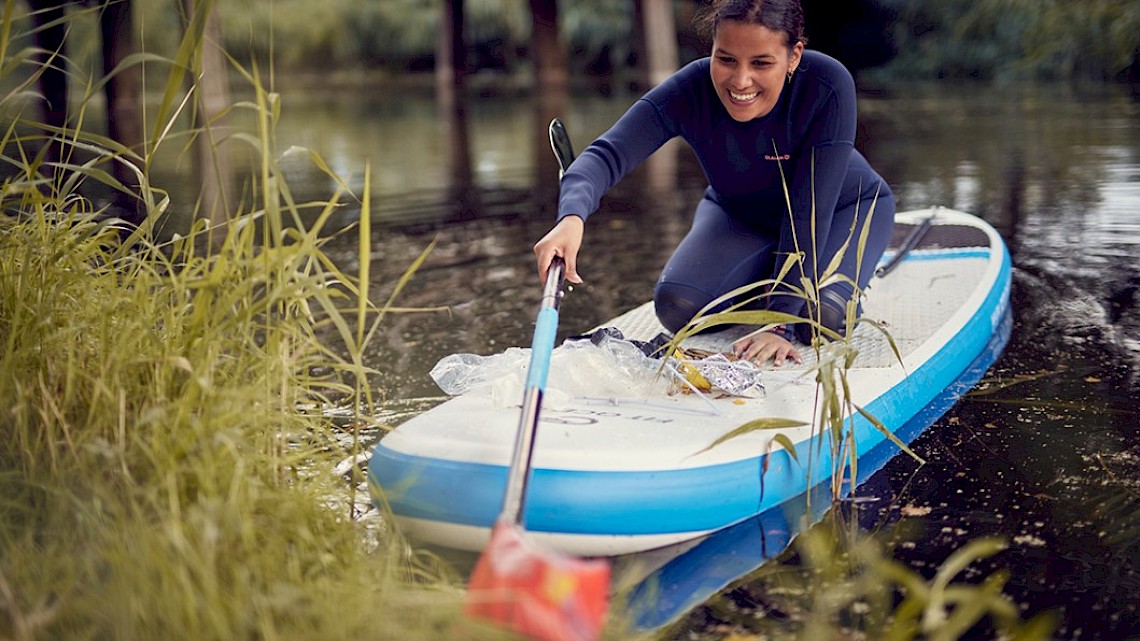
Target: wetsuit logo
x=783 y=157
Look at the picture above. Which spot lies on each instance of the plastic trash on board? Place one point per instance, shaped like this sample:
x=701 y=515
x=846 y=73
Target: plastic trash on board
x=734 y=377
x=603 y=364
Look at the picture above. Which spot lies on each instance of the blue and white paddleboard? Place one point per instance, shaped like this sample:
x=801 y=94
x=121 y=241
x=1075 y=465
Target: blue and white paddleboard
x=628 y=473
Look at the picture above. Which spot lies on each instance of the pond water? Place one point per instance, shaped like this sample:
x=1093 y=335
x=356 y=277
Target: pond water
x=1045 y=452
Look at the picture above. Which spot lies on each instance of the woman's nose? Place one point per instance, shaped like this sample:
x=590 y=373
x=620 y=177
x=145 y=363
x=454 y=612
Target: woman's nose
x=741 y=79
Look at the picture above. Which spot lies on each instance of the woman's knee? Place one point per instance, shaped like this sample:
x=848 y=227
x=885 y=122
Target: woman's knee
x=832 y=314
x=677 y=304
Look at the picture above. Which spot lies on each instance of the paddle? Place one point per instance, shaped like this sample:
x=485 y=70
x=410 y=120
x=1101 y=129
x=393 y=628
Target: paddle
x=909 y=243
x=532 y=591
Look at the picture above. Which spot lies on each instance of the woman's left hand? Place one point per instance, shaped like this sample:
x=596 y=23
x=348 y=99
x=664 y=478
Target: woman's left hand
x=761 y=346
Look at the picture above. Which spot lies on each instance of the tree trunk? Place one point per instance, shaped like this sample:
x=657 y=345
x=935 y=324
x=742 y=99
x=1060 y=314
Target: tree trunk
x=212 y=162
x=124 y=102
x=551 y=91
x=124 y=89
x=451 y=48
x=546 y=47
x=660 y=39
x=50 y=32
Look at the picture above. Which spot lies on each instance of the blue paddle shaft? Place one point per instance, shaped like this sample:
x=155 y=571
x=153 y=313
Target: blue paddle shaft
x=542 y=346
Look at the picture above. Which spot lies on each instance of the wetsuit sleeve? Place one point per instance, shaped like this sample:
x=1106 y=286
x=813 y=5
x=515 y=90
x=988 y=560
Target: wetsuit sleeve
x=636 y=135
x=818 y=171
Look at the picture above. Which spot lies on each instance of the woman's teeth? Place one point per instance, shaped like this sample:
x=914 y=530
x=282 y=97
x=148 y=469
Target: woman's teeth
x=743 y=97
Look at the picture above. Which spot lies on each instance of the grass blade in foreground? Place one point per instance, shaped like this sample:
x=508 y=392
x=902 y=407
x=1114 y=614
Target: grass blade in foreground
x=532 y=591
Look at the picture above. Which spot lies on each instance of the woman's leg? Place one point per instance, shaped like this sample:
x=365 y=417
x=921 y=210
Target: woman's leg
x=834 y=297
x=718 y=255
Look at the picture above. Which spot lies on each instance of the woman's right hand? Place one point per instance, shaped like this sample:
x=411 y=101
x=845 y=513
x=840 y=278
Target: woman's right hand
x=563 y=240
x=758 y=347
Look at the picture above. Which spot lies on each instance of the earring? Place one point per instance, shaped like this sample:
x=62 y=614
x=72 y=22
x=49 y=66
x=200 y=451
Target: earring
x=790 y=72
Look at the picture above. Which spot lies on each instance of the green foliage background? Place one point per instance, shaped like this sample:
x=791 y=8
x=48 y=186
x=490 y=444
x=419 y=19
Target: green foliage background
x=1014 y=39
x=988 y=39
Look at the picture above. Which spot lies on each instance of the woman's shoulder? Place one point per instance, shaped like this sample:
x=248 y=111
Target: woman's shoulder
x=694 y=75
x=688 y=86
x=826 y=70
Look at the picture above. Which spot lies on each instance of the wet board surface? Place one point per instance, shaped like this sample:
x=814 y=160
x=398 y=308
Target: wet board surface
x=626 y=473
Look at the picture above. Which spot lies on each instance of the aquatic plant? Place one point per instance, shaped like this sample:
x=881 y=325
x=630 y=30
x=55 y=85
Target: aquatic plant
x=835 y=584
x=835 y=411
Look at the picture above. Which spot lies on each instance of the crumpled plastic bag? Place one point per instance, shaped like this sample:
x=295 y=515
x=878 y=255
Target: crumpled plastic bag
x=604 y=365
x=578 y=368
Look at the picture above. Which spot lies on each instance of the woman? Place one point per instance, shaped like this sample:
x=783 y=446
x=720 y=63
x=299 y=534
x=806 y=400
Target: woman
x=760 y=113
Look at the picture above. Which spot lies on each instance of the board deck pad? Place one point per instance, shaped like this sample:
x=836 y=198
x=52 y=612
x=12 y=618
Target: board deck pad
x=631 y=473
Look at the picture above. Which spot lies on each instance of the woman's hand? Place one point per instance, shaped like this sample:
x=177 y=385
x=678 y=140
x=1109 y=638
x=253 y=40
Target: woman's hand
x=563 y=240
x=758 y=347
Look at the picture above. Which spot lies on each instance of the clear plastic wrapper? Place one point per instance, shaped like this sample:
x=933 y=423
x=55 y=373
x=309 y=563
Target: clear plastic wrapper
x=733 y=377
x=603 y=365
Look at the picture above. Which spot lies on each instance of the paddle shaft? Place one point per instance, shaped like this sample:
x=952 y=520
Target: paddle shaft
x=537 y=593
x=542 y=346
x=909 y=243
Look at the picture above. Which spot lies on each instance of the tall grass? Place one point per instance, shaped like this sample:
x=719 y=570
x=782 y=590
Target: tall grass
x=167 y=469
x=162 y=478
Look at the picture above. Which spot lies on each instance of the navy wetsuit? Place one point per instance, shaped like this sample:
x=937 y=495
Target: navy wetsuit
x=742 y=228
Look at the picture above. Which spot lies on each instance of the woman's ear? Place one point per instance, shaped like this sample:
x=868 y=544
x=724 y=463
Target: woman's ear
x=797 y=53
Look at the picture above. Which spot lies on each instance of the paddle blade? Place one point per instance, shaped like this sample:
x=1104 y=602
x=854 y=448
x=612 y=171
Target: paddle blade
x=537 y=593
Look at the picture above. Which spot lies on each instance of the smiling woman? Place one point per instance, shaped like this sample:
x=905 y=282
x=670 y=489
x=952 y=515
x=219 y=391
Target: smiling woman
x=792 y=212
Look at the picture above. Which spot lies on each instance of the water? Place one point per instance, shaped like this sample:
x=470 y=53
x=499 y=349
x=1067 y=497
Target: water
x=1045 y=452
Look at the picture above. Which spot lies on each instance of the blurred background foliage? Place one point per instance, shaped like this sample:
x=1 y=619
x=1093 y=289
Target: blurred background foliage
x=1014 y=39
x=901 y=39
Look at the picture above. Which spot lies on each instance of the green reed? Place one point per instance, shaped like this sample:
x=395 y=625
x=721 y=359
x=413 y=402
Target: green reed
x=166 y=463
x=832 y=585
x=835 y=411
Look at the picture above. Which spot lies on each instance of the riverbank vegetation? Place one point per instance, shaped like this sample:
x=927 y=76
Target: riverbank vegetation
x=169 y=463
x=915 y=39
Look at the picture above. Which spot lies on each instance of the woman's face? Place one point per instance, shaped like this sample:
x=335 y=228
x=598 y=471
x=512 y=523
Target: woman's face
x=750 y=65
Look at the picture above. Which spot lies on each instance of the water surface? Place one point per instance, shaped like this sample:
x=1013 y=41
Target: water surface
x=1045 y=452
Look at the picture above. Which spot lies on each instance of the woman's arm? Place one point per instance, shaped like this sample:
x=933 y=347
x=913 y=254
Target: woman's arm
x=636 y=135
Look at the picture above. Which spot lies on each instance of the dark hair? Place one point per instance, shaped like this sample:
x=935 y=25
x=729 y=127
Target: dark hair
x=786 y=16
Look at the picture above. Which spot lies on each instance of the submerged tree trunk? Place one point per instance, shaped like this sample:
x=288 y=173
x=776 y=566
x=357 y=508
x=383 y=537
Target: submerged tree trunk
x=451 y=101
x=451 y=48
x=212 y=162
x=124 y=101
x=546 y=47
x=122 y=89
x=551 y=92
x=50 y=32
x=660 y=31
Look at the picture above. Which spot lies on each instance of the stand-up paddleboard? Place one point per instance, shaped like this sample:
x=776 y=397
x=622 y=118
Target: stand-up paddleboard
x=669 y=582
x=627 y=473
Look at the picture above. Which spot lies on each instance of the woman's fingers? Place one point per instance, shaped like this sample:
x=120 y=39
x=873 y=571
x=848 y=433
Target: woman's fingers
x=563 y=240
x=766 y=346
